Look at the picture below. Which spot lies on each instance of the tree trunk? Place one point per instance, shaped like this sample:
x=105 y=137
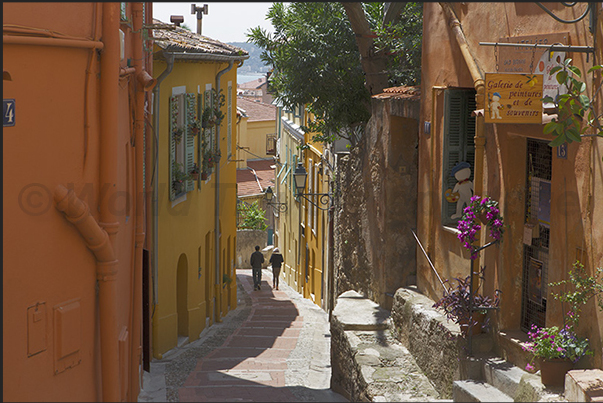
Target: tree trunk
x=373 y=64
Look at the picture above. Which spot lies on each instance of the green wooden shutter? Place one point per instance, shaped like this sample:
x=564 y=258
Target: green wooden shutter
x=213 y=147
x=200 y=139
x=207 y=144
x=459 y=131
x=172 y=126
x=229 y=122
x=189 y=154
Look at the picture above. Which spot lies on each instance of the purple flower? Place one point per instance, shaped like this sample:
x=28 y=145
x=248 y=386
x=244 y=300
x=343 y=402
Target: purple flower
x=530 y=368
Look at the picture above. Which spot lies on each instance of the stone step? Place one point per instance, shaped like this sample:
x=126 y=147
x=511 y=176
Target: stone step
x=477 y=391
x=503 y=375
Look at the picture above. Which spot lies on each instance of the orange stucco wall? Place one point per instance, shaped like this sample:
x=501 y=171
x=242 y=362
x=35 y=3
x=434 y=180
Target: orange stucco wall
x=56 y=141
x=576 y=181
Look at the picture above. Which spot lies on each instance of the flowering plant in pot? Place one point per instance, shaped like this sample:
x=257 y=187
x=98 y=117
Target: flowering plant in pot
x=486 y=211
x=179 y=177
x=456 y=303
x=195 y=127
x=177 y=135
x=194 y=172
x=561 y=346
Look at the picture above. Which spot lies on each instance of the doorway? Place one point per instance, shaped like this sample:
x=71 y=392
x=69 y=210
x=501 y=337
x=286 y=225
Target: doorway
x=537 y=220
x=182 y=295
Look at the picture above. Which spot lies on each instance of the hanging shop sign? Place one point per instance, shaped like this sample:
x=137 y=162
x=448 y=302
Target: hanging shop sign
x=525 y=59
x=513 y=98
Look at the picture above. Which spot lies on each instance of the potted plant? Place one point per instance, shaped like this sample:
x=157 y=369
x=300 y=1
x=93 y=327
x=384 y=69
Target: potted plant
x=207 y=117
x=456 y=303
x=195 y=127
x=194 y=172
x=178 y=177
x=177 y=135
x=557 y=349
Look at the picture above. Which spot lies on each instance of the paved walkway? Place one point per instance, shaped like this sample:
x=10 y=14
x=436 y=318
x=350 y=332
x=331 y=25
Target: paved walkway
x=274 y=347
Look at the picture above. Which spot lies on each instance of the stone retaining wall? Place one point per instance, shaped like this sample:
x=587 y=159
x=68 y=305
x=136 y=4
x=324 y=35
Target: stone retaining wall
x=247 y=239
x=435 y=343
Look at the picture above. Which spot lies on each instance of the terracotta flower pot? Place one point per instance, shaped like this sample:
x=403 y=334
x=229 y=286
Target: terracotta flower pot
x=195 y=176
x=204 y=175
x=552 y=372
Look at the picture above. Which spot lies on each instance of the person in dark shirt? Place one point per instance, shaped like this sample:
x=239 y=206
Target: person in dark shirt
x=276 y=260
x=256 y=260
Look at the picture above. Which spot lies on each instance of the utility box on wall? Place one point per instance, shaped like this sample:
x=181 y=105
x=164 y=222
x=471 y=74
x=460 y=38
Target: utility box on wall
x=67 y=335
x=36 y=329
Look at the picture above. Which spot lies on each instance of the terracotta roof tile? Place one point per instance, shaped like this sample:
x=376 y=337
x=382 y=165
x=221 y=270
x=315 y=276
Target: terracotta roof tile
x=254 y=84
x=247 y=182
x=407 y=92
x=257 y=111
x=176 y=39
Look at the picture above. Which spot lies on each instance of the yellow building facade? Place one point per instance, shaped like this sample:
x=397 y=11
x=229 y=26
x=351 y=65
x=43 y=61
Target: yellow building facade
x=302 y=231
x=257 y=137
x=195 y=208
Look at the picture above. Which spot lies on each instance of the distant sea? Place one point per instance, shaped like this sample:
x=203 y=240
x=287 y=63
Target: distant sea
x=245 y=78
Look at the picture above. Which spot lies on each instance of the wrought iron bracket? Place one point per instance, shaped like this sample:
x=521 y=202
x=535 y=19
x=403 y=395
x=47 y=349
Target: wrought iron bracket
x=325 y=199
x=282 y=207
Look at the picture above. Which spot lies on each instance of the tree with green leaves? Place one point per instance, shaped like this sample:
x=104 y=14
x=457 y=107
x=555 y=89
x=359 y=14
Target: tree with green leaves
x=332 y=57
x=575 y=110
x=252 y=216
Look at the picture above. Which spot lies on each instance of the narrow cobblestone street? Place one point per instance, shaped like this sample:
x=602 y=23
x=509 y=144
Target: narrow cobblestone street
x=274 y=347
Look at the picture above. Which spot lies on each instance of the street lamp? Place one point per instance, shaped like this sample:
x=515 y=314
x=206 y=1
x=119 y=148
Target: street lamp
x=300 y=175
x=269 y=194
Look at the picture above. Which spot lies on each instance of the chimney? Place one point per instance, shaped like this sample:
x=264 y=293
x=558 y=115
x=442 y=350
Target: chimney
x=177 y=19
x=199 y=11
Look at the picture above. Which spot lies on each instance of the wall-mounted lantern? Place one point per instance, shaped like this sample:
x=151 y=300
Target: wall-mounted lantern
x=269 y=194
x=300 y=175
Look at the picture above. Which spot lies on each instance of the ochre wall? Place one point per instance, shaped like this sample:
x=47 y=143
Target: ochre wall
x=185 y=226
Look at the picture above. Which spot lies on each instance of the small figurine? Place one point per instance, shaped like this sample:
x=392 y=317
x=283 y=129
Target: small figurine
x=495 y=106
x=464 y=187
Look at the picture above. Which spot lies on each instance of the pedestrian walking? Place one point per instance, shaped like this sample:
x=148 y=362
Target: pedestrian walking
x=256 y=260
x=276 y=260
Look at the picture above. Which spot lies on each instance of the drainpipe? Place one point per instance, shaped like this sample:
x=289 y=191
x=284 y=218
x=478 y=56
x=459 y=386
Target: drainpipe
x=480 y=139
x=218 y=280
x=478 y=83
x=107 y=270
x=156 y=92
x=144 y=82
